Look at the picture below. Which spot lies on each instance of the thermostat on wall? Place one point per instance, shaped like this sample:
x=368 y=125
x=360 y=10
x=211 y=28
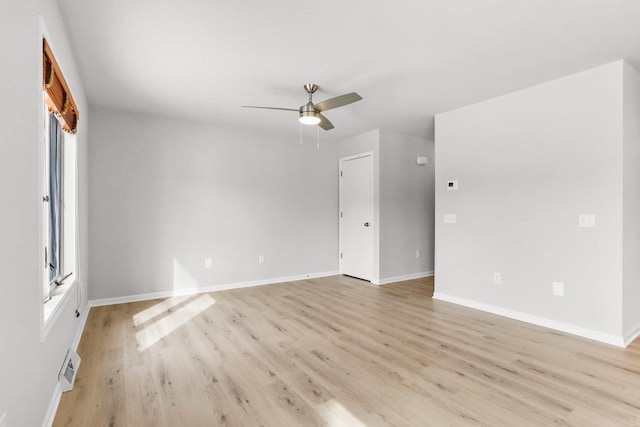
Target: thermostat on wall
x=422 y=160
x=452 y=185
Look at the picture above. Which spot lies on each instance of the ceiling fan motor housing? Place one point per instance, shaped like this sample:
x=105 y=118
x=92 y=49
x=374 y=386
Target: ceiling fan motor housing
x=308 y=109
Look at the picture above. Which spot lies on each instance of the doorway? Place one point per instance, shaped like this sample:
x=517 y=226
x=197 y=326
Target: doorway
x=356 y=216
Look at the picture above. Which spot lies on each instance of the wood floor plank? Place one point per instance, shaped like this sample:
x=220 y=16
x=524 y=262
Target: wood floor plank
x=339 y=351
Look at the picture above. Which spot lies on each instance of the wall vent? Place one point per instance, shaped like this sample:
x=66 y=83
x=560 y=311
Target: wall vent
x=67 y=375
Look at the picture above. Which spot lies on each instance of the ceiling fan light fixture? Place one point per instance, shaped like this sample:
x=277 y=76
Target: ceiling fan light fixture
x=309 y=118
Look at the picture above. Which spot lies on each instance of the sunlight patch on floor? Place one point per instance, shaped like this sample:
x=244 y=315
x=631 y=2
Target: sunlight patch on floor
x=339 y=416
x=158 y=309
x=161 y=328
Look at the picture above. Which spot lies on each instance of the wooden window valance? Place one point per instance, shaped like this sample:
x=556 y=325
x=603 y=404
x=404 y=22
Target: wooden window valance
x=56 y=91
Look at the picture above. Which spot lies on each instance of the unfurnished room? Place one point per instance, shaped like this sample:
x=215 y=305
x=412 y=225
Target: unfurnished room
x=337 y=213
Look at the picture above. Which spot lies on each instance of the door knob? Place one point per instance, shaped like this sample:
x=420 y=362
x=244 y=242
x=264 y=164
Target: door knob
x=366 y=224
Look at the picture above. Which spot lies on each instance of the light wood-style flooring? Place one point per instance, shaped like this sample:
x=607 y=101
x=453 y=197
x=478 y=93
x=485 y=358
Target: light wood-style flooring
x=338 y=351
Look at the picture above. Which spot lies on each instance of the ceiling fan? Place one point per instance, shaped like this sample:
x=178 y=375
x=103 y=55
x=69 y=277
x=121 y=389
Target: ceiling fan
x=310 y=113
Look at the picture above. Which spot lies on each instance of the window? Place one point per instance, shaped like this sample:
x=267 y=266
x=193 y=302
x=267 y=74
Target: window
x=54 y=249
x=59 y=186
x=59 y=206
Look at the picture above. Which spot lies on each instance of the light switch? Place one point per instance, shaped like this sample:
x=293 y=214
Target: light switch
x=208 y=263
x=449 y=218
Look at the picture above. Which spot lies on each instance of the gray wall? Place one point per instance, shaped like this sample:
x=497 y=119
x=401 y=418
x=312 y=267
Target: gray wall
x=29 y=368
x=631 y=208
x=407 y=198
x=528 y=164
x=166 y=194
x=403 y=202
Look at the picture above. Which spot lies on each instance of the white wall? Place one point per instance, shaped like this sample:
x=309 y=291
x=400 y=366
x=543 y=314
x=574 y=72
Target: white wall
x=631 y=204
x=29 y=368
x=528 y=164
x=403 y=202
x=166 y=194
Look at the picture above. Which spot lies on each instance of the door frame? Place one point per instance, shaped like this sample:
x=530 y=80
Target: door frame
x=374 y=217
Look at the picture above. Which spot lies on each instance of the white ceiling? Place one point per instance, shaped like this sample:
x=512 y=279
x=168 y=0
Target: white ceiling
x=408 y=59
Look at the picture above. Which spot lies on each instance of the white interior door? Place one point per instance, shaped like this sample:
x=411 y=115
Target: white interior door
x=356 y=216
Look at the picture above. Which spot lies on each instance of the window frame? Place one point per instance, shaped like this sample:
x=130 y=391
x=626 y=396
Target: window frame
x=53 y=294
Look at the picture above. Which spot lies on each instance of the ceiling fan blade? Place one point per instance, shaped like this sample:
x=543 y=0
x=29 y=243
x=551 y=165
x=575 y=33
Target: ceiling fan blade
x=325 y=123
x=271 y=108
x=338 y=101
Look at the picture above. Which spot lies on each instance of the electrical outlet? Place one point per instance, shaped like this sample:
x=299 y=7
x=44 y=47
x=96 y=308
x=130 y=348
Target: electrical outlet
x=497 y=278
x=586 y=220
x=208 y=263
x=449 y=218
x=558 y=289
x=260 y=259
x=418 y=254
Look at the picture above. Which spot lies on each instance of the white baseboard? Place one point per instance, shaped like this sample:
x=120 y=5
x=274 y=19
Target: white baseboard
x=202 y=290
x=53 y=407
x=536 y=320
x=402 y=278
x=632 y=336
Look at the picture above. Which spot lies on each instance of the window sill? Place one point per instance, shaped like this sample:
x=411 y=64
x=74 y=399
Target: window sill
x=52 y=308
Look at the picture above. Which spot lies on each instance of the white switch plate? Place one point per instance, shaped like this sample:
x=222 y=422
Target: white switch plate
x=260 y=259
x=452 y=185
x=418 y=254
x=449 y=218
x=558 y=289
x=587 y=220
x=497 y=278
x=208 y=263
